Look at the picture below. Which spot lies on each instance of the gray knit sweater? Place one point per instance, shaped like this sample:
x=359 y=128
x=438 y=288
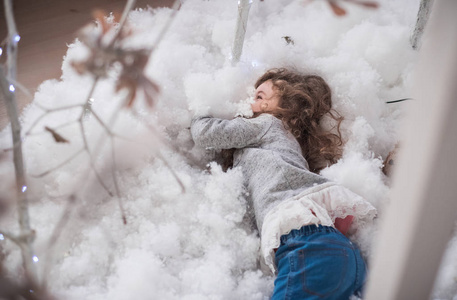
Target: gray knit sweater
x=273 y=167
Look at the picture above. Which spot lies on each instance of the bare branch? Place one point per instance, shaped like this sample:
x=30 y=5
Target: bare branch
x=168 y=145
x=22 y=239
x=91 y=160
x=60 y=165
x=65 y=124
x=43 y=132
x=109 y=132
x=58 y=229
x=100 y=121
x=116 y=185
x=175 y=8
x=128 y=7
x=11 y=237
x=190 y=159
x=50 y=111
x=10 y=99
x=8 y=83
x=20 y=86
x=183 y=188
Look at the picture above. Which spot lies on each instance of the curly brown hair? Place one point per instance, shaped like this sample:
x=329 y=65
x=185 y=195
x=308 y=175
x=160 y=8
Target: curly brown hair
x=303 y=101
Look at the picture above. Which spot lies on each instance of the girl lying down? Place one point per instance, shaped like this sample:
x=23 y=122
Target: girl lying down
x=301 y=216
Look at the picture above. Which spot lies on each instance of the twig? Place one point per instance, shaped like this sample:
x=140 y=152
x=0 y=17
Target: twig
x=113 y=165
x=20 y=86
x=84 y=138
x=106 y=127
x=85 y=107
x=399 y=100
x=11 y=237
x=176 y=6
x=111 y=135
x=191 y=160
x=183 y=188
x=10 y=99
x=60 y=165
x=169 y=146
x=55 y=236
x=42 y=132
x=91 y=159
x=128 y=7
x=100 y=121
x=49 y=111
x=116 y=185
x=55 y=128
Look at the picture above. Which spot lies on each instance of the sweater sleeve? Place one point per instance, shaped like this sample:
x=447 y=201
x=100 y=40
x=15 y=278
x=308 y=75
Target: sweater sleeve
x=217 y=133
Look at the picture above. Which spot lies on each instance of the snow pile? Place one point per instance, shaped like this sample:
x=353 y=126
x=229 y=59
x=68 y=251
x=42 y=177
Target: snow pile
x=198 y=244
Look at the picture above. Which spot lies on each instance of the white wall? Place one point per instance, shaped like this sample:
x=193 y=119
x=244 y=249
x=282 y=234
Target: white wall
x=422 y=212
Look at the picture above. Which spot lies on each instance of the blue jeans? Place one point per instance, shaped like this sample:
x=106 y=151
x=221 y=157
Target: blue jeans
x=318 y=262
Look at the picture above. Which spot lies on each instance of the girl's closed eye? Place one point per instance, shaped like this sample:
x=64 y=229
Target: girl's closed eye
x=266 y=99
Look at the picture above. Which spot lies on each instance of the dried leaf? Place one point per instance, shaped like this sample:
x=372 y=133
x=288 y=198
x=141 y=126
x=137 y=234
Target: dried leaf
x=57 y=137
x=369 y=4
x=116 y=16
x=99 y=15
x=288 y=40
x=338 y=10
x=79 y=67
x=104 y=53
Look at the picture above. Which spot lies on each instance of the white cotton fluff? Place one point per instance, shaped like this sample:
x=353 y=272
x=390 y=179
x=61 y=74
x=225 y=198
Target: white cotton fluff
x=446 y=281
x=196 y=243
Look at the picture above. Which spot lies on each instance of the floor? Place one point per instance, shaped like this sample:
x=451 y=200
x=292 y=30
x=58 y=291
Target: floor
x=46 y=27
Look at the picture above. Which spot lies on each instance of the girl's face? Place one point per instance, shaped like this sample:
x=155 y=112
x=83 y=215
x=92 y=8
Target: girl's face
x=265 y=98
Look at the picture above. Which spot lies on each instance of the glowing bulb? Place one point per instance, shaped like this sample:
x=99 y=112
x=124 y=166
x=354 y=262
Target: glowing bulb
x=1 y=51
x=35 y=258
x=12 y=88
x=24 y=188
x=2 y=237
x=17 y=38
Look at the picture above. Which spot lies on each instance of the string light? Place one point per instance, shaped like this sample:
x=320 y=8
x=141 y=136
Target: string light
x=17 y=38
x=2 y=237
x=12 y=88
x=35 y=259
x=24 y=188
x=1 y=51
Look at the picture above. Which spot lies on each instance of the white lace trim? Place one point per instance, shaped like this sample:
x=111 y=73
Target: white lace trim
x=328 y=201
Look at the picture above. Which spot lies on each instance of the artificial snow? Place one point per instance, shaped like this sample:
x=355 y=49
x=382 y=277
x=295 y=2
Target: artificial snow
x=195 y=241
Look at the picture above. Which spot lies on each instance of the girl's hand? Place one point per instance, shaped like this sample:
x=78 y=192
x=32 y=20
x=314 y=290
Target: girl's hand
x=343 y=224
